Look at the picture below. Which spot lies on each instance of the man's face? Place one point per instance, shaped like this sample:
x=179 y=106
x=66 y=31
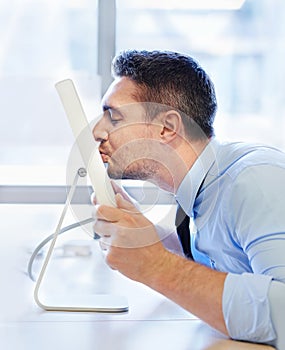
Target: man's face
x=127 y=140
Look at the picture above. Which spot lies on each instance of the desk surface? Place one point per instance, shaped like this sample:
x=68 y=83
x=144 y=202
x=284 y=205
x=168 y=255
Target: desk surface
x=152 y=322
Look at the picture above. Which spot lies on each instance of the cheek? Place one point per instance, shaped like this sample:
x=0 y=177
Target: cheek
x=125 y=137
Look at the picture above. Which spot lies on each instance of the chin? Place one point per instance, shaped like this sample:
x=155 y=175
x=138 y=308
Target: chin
x=133 y=171
x=119 y=174
x=115 y=174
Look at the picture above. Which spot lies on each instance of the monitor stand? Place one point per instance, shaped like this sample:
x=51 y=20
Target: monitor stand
x=80 y=303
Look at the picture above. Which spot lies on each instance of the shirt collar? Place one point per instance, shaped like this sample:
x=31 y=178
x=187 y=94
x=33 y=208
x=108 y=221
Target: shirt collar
x=188 y=189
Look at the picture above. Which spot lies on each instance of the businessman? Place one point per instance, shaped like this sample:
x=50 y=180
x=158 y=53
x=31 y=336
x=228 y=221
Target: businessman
x=157 y=125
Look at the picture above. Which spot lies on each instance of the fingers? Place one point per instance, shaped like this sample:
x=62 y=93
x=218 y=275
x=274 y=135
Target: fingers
x=93 y=198
x=105 y=243
x=119 y=189
x=124 y=194
x=104 y=228
x=125 y=204
x=106 y=213
x=111 y=214
x=123 y=225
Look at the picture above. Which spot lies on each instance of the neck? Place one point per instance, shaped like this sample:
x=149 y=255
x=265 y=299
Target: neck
x=178 y=163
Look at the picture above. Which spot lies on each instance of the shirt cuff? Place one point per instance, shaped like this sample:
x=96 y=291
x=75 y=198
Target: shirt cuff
x=246 y=307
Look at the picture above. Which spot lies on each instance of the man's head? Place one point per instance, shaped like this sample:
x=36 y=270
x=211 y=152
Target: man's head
x=171 y=79
x=158 y=116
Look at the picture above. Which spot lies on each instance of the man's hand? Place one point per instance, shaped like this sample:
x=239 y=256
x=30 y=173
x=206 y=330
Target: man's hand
x=133 y=245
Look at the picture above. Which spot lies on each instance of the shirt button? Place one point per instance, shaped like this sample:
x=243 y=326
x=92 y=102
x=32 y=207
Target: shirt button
x=213 y=264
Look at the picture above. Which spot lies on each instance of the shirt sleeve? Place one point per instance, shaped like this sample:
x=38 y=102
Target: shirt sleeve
x=246 y=307
x=276 y=298
x=251 y=300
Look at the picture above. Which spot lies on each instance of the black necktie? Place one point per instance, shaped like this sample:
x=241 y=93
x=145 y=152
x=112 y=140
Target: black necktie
x=182 y=221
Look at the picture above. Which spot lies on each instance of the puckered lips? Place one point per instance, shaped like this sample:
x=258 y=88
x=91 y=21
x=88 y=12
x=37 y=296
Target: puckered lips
x=104 y=156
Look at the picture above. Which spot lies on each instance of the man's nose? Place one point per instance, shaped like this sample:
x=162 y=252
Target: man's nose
x=99 y=132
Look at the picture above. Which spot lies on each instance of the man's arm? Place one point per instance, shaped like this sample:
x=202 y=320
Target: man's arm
x=243 y=306
x=137 y=252
x=195 y=287
x=257 y=225
x=246 y=307
x=258 y=299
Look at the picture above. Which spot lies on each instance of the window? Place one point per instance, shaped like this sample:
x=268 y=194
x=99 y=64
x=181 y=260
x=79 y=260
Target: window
x=43 y=42
x=238 y=42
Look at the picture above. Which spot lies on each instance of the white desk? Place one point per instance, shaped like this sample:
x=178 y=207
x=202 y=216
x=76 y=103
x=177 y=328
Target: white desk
x=153 y=322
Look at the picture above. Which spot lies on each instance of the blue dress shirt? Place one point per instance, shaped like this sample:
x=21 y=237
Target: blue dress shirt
x=235 y=194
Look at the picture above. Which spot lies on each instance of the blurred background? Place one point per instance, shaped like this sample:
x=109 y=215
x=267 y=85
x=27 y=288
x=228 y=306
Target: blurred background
x=240 y=43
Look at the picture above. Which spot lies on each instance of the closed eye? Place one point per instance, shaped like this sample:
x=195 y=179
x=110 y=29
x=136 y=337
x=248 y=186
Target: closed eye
x=113 y=115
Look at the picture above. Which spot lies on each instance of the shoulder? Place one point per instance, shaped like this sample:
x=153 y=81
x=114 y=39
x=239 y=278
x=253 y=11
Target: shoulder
x=255 y=190
x=238 y=159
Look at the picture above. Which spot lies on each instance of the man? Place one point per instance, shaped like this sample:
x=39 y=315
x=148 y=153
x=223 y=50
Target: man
x=157 y=125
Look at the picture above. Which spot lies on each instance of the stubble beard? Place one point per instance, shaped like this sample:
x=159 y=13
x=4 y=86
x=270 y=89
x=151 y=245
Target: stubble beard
x=143 y=169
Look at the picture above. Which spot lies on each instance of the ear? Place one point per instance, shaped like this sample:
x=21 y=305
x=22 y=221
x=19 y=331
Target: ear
x=171 y=126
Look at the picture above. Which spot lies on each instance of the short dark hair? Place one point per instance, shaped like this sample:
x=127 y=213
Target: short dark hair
x=171 y=79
